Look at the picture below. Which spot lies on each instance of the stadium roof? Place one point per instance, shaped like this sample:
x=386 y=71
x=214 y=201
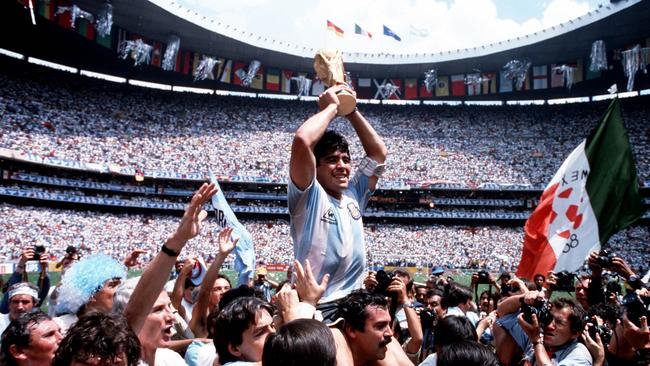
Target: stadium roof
x=618 y=24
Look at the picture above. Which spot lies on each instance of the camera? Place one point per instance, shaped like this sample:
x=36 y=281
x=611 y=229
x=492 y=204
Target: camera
x=604 y=332
x=38 y=251
x=384 y=279
x=483 y=277
x=541 y=308
x=605 y=258
x=565 y=281
x=635 y=307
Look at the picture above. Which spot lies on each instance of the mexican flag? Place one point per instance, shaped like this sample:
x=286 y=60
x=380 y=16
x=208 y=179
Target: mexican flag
x=594 y=194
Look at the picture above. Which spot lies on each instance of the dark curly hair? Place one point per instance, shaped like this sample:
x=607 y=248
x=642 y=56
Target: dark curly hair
x=300 y=342
x=18 y=333
x=233 y=320
x=98 y=335
x=352 y=308
x=578 y=314
x=330 y=142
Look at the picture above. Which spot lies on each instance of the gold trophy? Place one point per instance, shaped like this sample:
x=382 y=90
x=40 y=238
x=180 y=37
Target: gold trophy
x=328 y=65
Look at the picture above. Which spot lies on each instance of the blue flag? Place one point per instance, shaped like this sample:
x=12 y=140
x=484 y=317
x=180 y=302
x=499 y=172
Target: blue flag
x=390 y=33
x=244 y=251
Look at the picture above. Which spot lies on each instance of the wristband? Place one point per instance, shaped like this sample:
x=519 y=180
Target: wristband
x=370 y=167
x=172 y=253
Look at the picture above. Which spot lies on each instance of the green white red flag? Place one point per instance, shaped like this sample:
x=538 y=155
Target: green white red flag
x=594 y=194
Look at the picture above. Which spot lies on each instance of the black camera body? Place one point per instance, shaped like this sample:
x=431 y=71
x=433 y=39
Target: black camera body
x=565 y=282
x=636 y=307
x=483 y=277
x=605 y=258
x=384 y=279
x=541 y=308
x=38 y=251
x=604 y=333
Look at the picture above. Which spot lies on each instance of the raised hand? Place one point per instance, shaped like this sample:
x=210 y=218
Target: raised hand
x=190 y=224
x=226 y=245
x=308 y=289
x=132 y=259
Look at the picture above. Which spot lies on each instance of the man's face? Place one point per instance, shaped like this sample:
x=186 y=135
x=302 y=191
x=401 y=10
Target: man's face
x=44 y=339
x=485 y=303
x=220 y=287
x=421 y=293
x=434 y=303
x=157 y=329
x=581 y=292
x=558 y=332
x=370 y=345
x=103 y=299
x=254 y=337
x=333 y=172
x=20 y=304
x=539 y=282
x=119 y=360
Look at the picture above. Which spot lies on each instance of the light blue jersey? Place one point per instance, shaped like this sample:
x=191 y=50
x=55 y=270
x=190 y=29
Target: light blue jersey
x=329 y=233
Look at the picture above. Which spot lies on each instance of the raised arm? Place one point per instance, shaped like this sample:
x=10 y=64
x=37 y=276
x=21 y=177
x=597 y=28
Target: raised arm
x=156 y=273
x=302 y=166
x=199 y=321
x=179 y=287
x=373 y=145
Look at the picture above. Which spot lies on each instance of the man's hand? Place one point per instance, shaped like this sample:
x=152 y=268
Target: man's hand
x=188 y=266
x=531 y=329
x=308 y=289
x=551 y=280
x=44 y=260
x=370 y=282
x=596 y=269
x=517 y=282
x=190 y=224
x=399 y=288
x=621 y=267
x=26 y=255
x=226 y=245
x=132 y=259
x=287 y=302
x=328 y=97
x=594 y=345
x=639 y=336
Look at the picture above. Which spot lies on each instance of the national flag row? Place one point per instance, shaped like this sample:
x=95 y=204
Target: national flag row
x=282 y=80
x=364 y=32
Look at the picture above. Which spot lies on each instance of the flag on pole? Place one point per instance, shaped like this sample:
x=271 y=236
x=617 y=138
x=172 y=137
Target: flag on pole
x=594 y=194
x=244 y=251
x=390 y=33
x=286 y=81
x=418 y=32
x=361 y=31
x=332 y=27
x=540 y=79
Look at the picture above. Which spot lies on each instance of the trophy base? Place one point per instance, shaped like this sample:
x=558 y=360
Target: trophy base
x=347 y=103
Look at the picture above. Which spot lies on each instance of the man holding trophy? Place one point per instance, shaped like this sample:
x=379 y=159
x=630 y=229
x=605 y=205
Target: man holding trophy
x=326 y=204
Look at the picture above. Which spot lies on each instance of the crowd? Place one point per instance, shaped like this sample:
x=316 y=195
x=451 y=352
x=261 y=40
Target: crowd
x=85 y=120
x=490 y=247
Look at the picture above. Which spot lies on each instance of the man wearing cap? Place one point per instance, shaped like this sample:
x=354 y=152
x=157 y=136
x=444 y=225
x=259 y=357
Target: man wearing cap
x=263 y=284
x=23 y=296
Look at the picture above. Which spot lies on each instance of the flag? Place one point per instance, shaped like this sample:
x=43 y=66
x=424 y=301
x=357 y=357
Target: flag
x=557 y=77
x=46 y=9
x=187 y=60
x=591 y=74
x=424 y=93
x=286 y=81
x=594 y=194
x=442 y=87
x=332 y=27
x=317 y=87
x=418 y=32
x=244 y=250
x=225 y=75
x=577 y=73
x=156 y=54
x=390 y=33
x=505 y=84
x=219 y=68
x=258 y=79
x=273 y=79
x=489 y=83
x=364 y=83
x=105 y=41
x=411 y=89
x=86 y=29
x=398 y=84
x=361 y=31
x=473 y=88
x=540 y=79
x=458 y=85
x=238 y=65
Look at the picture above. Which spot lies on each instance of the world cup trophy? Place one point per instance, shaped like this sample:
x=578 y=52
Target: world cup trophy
x=328 y=65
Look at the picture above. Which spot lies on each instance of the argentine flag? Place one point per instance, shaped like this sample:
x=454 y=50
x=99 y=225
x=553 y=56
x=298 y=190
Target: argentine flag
x=244 y=251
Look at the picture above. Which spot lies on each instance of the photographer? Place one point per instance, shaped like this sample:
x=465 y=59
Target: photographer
x=547 y=332
x=38 y=253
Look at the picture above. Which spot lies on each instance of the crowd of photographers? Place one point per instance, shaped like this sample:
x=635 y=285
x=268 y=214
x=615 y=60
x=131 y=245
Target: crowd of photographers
x=80 y=119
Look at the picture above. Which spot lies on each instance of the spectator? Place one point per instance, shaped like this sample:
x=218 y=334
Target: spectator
x=23 y=298
x=31 y=339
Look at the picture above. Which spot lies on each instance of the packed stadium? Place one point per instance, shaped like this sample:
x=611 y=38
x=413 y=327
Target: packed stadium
x=114 y=113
